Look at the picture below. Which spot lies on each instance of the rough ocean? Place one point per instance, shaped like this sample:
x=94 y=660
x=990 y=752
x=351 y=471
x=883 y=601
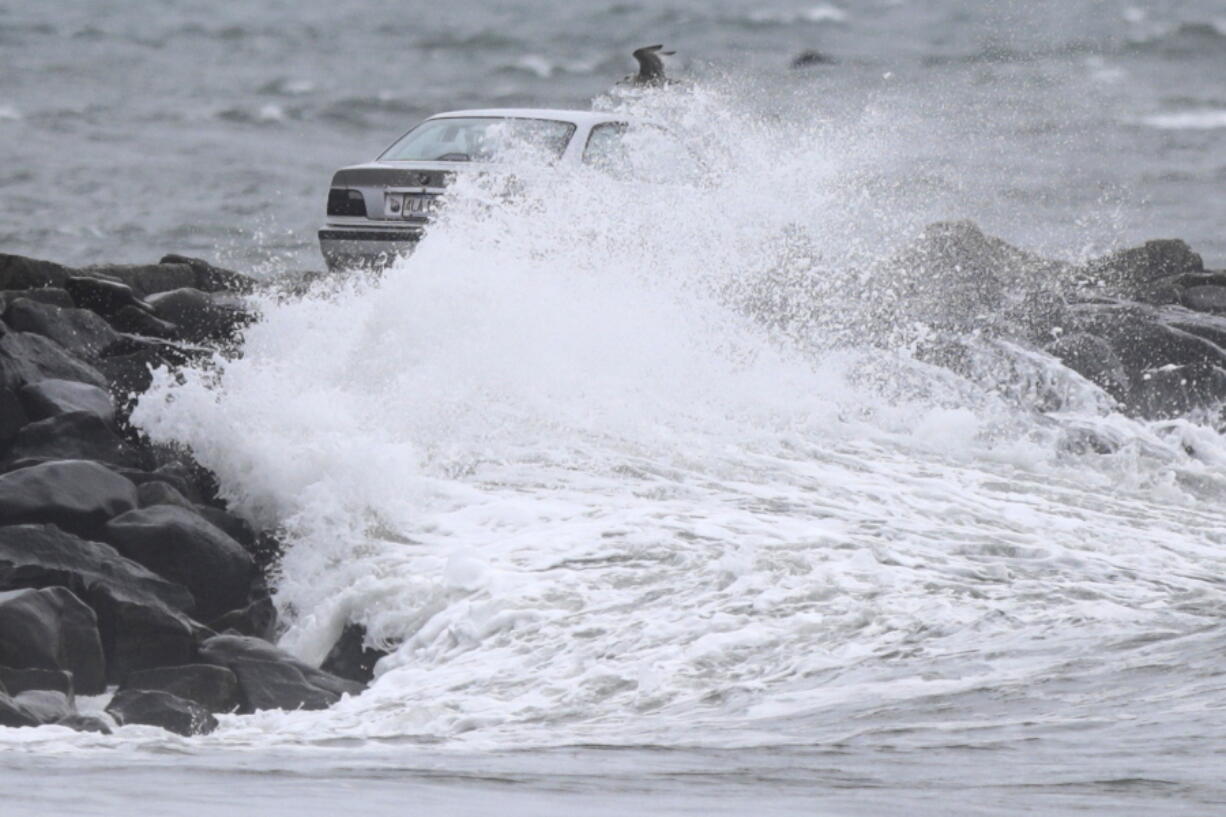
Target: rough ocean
x=640 y=534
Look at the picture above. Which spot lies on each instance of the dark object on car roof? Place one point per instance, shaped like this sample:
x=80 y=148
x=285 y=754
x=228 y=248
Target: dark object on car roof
x=651 y=67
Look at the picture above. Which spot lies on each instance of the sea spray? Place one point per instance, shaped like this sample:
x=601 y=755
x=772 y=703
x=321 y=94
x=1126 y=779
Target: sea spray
x=570 y=467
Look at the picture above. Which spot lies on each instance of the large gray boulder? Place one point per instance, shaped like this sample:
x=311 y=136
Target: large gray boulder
x=77 y=495
x=28 y=358
x=47 y=705
x=19 y=272
x=145 y=279
x=200 y=316
x=53 y=397
x=270 y=678
x=102 y=295
x=152 y=708
x=76 y=435
x=213 y=687
x=52 y=629
x=17 y=680
x=143 y=619
x=13 y=714
x=180 y=545
x=210 y=278
x=81 y=332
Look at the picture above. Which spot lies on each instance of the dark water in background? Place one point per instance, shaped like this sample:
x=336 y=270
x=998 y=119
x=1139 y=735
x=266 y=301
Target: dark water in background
x=130 y=129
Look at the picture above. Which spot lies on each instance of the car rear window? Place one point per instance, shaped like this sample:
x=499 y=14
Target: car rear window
x=480 y=139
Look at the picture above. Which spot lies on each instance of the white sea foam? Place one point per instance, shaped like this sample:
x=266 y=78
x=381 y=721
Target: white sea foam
x=822 y=13
x=586 y=497
x=1204 y=119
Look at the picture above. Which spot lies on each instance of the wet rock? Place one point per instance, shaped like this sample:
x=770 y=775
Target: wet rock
x=77 y=495
x=101 y=295
x=237 y=529
x=16 y=681
x=28 y=358
x=76 y=435
x=180 y=545
x=53 y=397
x=955 y=277
x=258 y=619
x=156 y=492
x=1205 y=298
x=19 y=272
x=13 y=415
x=80 y=331
x=351 y=658
x=129 y=362
x=145 y=279
x=139 y=322
x=142 y=617
x=52 y=629
x=46 y=705
x=1092 y=358
x=270 y=678
x=85 y=723
x=13 y=714
x=269 y=685
x=152 y=708
x=1129 y=271
x=806 y=59
x=49 y=295
x=199 y=315
x=213 y=687
x=131 y=374
x=209 y=278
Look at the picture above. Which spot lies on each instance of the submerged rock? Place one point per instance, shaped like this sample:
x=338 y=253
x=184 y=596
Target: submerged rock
x=52 y=629
x=85 y=723
x=153 y=708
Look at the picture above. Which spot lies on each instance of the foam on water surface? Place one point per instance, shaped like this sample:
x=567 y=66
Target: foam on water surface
x=587 y=495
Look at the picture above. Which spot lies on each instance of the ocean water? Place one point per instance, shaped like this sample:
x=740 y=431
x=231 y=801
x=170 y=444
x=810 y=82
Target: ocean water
x=640 y=533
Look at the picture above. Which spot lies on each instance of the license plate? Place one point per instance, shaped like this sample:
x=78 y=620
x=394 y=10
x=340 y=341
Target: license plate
x=411 y=205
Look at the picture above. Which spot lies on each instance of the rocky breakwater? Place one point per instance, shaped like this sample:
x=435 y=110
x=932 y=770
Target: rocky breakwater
x=121 y=570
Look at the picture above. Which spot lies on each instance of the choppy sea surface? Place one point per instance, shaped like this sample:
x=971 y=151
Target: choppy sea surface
x=635 y=545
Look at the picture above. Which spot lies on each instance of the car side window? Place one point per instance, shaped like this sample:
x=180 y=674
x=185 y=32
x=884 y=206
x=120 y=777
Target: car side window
x=643 y=152
x=605 y=147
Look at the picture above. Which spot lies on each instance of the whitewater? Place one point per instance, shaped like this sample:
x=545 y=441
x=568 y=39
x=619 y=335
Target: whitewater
x=635 y=519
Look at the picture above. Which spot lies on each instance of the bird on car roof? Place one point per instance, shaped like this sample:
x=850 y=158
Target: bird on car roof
x=651 y=67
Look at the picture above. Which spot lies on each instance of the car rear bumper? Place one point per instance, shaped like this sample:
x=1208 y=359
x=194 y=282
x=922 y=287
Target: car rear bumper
x=345 y=247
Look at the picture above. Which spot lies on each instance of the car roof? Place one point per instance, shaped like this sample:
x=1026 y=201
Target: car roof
x=575 y=117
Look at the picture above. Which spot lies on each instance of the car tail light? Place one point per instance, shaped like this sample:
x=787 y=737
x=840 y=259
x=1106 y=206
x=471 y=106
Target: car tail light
x=342 y=202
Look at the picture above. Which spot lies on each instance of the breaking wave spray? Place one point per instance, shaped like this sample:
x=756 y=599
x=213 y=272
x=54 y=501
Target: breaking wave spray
x=588 y=479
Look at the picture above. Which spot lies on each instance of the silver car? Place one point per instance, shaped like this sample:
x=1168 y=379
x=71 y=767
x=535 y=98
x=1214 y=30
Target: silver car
x=379 y=210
